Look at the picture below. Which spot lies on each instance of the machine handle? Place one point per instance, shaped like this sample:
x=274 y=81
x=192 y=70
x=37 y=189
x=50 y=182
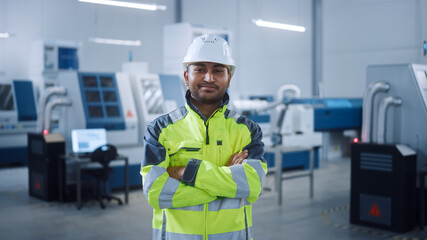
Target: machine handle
x=52 y=104
x=368 y=106
x=382 y=113
x=42 y=104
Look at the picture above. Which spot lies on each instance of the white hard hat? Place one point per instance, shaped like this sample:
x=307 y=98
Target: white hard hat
x=210 y=48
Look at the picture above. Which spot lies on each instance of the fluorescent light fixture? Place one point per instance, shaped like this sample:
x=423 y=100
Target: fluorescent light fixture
x=4 y=35
x=151 y=7
x=263 y=23
x=116 y=41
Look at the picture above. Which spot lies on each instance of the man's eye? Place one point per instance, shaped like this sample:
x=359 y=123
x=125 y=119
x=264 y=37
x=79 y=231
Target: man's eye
x=219 y=71
x=198 y=69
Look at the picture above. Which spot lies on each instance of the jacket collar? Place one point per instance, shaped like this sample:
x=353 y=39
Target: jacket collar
x=224 y=101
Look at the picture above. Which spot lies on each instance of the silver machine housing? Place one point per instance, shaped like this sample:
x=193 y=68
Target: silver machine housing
x=406 y=122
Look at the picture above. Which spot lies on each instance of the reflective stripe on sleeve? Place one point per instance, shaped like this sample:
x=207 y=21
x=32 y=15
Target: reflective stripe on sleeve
x=168 y=191
x=152 y=175
x=239 y=177
x=197 y=208
x=256 y=164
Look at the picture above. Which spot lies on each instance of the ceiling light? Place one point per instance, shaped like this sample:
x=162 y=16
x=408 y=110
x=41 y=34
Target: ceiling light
x=116 y=41
x=263 y=23
x=151 y=7
x=4 y=35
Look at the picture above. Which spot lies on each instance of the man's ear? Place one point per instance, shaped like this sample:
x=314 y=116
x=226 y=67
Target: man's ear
x=186 y=77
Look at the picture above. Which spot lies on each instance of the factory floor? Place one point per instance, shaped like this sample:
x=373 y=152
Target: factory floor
x=326 y=216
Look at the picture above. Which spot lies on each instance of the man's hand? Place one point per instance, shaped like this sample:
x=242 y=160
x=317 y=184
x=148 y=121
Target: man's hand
x=176 y=172
x=237 y=158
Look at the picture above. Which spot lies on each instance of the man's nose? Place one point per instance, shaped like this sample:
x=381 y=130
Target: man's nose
x=208 y=77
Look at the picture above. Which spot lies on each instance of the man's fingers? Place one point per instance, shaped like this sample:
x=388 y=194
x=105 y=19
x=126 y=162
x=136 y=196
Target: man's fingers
x=238 y=158
x=233 y=157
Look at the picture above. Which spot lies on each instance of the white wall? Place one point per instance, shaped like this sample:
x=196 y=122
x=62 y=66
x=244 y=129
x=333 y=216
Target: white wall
x=356 y=33
x=71 y=20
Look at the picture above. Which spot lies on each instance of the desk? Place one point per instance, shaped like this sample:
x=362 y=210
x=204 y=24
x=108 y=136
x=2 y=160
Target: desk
x=279 y=177
x=82 y=161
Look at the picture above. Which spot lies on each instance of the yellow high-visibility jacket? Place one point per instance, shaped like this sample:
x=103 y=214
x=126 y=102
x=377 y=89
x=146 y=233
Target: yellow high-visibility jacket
x=211 y=201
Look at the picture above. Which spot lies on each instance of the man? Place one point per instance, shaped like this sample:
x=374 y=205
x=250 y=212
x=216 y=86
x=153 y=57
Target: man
x=203 y=164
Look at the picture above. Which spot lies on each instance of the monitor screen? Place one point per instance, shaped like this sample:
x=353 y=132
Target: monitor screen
x=87 y=140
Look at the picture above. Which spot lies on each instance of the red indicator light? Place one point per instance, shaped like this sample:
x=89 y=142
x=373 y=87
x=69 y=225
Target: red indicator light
x=355 y=140
x=45 y=131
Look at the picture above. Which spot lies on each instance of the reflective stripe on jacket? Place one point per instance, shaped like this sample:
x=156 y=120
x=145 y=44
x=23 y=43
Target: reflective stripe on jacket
x=211 y=201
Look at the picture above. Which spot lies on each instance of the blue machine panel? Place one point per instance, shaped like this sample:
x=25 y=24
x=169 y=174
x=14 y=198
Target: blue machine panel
x=335 y=113
x=260 y=118
x=338 y=114
x=25 y=100
x=101 y=101
x=116 y=178
x=68 y=59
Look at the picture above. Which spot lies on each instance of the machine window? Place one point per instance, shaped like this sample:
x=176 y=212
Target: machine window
x=95 y=111
x=92 y=96
x=107 y=82
x=90 y=81
x=113 y=111
x=6 y=98
x=153 y=96
x=109 y=96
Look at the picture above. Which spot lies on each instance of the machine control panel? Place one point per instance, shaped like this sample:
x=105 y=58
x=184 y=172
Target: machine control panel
x=17 y=107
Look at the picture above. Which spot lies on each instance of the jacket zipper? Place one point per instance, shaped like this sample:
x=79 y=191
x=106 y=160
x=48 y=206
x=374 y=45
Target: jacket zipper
x=207 y=134
x=207 y=126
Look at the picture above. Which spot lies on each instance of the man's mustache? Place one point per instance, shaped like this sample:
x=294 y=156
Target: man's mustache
x=209 y=85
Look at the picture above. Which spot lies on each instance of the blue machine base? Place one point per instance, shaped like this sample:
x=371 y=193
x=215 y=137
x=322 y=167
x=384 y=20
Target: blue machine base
x=15 y=155
x=116 y=178
x=294 y=160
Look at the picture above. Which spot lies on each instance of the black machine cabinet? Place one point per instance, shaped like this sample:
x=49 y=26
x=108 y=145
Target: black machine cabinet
x=383 y=186
x=43 y=152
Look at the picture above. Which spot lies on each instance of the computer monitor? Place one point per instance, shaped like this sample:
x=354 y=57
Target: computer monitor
x=87 y=140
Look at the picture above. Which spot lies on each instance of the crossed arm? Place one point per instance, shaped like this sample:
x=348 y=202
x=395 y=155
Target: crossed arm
x=236 y=158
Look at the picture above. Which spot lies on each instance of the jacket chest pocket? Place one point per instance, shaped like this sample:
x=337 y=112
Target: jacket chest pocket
x=180 y=152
